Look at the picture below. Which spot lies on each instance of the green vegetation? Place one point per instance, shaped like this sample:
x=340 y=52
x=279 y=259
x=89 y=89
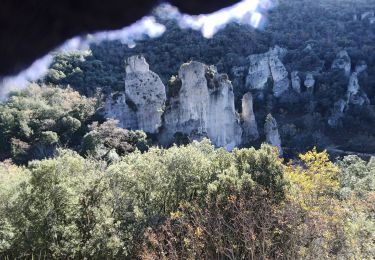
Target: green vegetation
x=76 y=186
x=188 y=202
x=36 y=121
x=325 y=26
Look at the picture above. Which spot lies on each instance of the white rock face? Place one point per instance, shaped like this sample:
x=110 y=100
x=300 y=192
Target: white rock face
x=266 y=66
x=309 y=81
x=136 y=64
x=356 y=96
x=279 y=87
x=353 y=86
x=296 y=82
x=272 y=133
x=259 y=71
x=116 y=107
x=342 y=62
x=249 y=124
x=200 y=111
x=141 y=106
x=308 y=48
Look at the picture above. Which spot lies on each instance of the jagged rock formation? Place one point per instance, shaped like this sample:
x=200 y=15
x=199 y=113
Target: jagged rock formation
x=353 y=86
x=296 y=82
x=249 y=124
x=259 y=71
x=265 y=67
x=353 y=96
x=342 y=62
x=272 y=133
x=142 y=104
x=203 y=107
x=309 y=81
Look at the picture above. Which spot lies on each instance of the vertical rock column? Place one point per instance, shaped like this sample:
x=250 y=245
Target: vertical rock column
x=145 y=94
x=272 y=133
x=249 y=125
x=204 y=107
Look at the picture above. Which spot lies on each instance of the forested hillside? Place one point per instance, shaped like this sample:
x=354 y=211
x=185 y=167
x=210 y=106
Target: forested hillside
x=313 y=32
x=81 y=178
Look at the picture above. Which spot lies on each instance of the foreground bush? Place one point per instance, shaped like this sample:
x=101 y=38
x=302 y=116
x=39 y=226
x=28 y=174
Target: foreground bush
x=187 y=202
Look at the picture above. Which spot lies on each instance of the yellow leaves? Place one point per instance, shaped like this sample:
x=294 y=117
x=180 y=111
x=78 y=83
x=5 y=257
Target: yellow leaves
x=319 y=163
x=187 y=241
x=313 y=188
x=175 y=215
x=198 y=231
x=232 y=198
x=316 y=178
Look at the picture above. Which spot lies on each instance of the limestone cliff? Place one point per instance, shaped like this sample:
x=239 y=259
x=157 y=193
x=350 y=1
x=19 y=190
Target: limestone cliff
x=203 y=107
x=140 y=107
x=268 y=66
